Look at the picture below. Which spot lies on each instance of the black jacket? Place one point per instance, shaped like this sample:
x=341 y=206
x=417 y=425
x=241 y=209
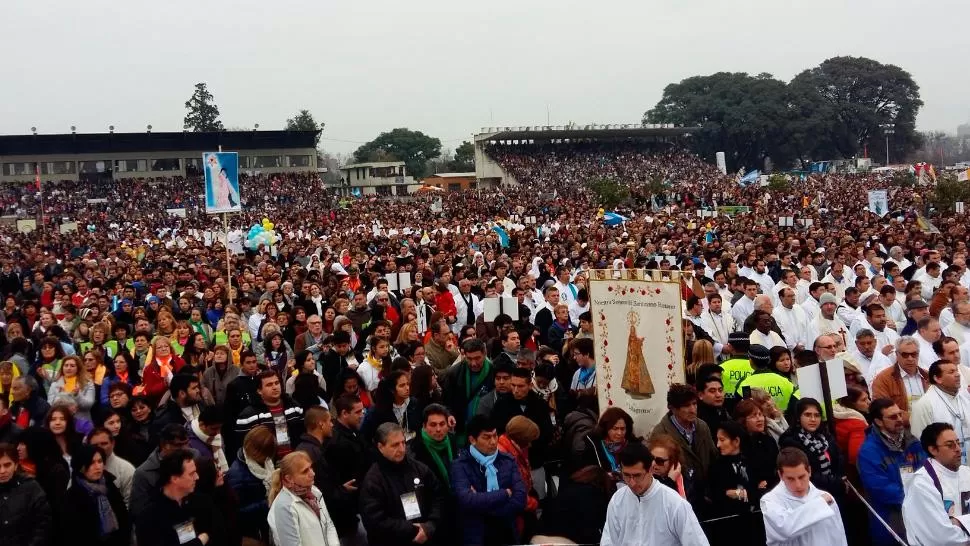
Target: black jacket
x=830 y=484
x=350 y=458
x=578 y=513
x=35 y=406
x=453 y=393
x=80 y=515
x=712 y=416
x=382 y=509
x=332 y=364
x=259 y=415
x=168 y=414
x=325 y=477
x=419 y=452
x=240 y=394
x=378 y=415
x=25 y=516
x=537 y=410
x=155 y=526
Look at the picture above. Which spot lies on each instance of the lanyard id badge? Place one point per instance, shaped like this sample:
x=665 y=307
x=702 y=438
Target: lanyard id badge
x=412 y=510
x=185 y=532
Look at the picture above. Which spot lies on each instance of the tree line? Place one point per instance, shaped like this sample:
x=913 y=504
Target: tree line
x=842 y=108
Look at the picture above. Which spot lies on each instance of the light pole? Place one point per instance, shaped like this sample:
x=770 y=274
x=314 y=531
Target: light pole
x=888 y=129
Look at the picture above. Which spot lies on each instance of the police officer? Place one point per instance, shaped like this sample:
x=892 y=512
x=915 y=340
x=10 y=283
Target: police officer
x=782 y=390
x=738 y=367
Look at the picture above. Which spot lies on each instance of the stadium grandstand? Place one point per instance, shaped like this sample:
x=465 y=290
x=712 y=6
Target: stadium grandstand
x=512 y=155
x=100 y=156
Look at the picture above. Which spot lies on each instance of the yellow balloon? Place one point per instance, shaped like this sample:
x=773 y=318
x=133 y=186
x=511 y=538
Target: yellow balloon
x=265 y=221
x=268 y=226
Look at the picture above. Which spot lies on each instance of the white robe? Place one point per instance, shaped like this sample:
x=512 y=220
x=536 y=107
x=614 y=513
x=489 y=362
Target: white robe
x=821 y=325
x=718 y=326
x=927 y=356
x=937 y=406
x=742 y=309
x=659 y=518
x=772 y=339
x=794 y=324
x=927 y=522
x=801 y=521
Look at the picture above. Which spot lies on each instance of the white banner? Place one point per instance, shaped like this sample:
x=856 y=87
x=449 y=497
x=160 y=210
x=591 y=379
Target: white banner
x=878 y=202
x=639 y=346
x=721 y=163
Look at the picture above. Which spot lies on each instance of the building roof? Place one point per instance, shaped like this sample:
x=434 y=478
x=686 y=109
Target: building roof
x=543 y=132
x=93 y=143
x=453 y=175
x=372 y=164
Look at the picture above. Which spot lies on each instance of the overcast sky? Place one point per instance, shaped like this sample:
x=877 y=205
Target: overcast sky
x=447 y=68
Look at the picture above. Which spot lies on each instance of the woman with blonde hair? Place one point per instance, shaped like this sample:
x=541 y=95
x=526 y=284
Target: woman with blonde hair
x=165 y=323
x=702 y=352
x=72 y=380
x=297 y=514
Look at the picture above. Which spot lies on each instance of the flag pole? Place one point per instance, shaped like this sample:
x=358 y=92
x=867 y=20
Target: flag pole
x=225 y=230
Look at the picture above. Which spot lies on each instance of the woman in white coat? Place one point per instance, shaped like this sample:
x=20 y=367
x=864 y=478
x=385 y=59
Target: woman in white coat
x=297 y=514
x=73 y=381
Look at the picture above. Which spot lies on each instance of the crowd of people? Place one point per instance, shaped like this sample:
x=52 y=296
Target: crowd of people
x=344 y=386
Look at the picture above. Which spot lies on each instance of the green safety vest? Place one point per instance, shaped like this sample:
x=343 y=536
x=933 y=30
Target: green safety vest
x=222 y=338
x=780 y=388
x=735 y=371
x=110 y=347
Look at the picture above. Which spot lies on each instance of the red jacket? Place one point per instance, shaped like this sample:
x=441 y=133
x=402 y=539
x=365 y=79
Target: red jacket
x=849 y=435
x=153 y=383
x=445 y=303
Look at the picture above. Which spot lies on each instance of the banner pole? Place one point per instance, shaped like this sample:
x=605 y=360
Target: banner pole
x=225 y=228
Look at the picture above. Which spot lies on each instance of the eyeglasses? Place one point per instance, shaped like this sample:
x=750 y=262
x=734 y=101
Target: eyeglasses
x=661 y=461
x=952 y=444
x=908 y=355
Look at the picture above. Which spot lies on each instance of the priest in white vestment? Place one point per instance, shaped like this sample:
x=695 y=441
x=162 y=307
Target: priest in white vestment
x=937 y=495
x=792 y=320
x=647 y=511
x=944 y=402
x=826 y=322
x=796 y=513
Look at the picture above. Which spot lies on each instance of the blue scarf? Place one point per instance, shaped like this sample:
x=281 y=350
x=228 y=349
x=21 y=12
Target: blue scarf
x=585 y=374
x=491 y=473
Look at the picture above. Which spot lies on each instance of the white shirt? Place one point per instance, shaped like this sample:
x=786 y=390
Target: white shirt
x=937 y=406
x=848 y=315
x=946 y=317
x=769 y=340
x=575 y=309
x=462 y=307
x=870 y=367
x=811 y=307
x=886 y=336
x=801 y=521
x=718 y=325
x=765 y=282
x=794 y=325
x=801 y=291
x=913 y=384
x=927 y=356
x=124 y=473
x=926 y=520
x=742 y=309
x=659 y=518
x=821 y=325
x=567 y=292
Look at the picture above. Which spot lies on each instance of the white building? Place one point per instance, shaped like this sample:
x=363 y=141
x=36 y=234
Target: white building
x=377 y=178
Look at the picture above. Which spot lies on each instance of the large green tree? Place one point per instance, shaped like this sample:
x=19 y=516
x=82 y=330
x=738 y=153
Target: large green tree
x=203 y=113
x=857 y=96
x=304 y=121
x=745 y=116
x=413 y=147
x=464 y=158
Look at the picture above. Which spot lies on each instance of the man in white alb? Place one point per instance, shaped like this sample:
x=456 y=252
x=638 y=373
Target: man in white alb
x=928 y=521
x=811 y=303
x=943 y=402
x=927 y=333
x=866 y=358
x=716 y=323
x=796 y=513
x=792 y=320
x=745 y=305
x=876 y=322
x=826 y=322
x=647 y=511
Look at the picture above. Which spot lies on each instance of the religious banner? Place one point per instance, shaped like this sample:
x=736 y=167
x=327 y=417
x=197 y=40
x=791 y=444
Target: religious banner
x=731 y=210
x=638 y=338
x=878 y=202
x=721 y=162
x=221 y=182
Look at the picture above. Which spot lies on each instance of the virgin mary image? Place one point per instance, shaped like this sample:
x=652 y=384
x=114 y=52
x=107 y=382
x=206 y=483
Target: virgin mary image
x=636 y=376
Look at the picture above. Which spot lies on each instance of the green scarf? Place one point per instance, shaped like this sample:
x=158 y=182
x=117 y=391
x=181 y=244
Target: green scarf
x=469 y=388
x=200 y=328
x=436 y=448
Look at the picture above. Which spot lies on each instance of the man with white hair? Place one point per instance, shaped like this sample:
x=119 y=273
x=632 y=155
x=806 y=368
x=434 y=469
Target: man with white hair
x=959 y=329
x=804 y=283
x=866 y=357
x=792 y=320
x=896 y=254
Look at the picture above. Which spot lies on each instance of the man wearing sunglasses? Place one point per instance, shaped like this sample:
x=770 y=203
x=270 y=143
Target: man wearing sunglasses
x=927 y=520
x=647 y=511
